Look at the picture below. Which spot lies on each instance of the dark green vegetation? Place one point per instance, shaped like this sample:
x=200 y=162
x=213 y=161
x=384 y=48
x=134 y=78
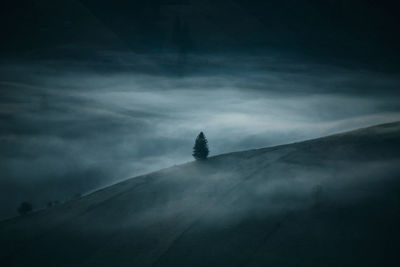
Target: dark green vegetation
x=332 y=201
x=24 y=208
x=200 y=149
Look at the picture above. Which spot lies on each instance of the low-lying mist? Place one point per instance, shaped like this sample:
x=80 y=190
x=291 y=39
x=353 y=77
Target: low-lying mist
x=69 y=129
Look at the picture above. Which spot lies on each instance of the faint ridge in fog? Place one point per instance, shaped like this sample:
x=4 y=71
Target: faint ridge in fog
x=331 y=200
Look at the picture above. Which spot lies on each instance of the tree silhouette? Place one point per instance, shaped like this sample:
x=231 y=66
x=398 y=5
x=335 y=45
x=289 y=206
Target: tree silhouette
x=200 y=149
x=24 y=208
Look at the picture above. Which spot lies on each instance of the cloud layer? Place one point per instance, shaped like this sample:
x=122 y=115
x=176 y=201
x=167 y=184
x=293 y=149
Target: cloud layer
x=68 y=129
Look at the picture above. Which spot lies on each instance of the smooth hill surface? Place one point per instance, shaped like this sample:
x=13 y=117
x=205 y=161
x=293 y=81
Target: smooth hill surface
x=332 y=201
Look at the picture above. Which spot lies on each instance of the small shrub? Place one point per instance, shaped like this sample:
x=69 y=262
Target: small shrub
x=24 y=208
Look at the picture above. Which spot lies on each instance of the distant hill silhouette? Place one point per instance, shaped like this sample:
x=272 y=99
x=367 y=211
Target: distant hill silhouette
x=336 y=30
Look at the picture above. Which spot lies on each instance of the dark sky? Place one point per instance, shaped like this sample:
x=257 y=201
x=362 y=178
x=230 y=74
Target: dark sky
x=95 y=91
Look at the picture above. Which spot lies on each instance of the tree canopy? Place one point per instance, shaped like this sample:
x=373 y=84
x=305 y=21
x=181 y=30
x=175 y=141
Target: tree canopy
x=24 y=208
x=200 y=149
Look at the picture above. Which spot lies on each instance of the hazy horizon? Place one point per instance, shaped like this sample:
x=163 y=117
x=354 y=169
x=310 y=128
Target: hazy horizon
x=92 y=93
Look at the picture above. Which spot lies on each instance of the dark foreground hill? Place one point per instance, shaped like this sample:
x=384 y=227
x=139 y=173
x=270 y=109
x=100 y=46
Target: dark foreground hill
x=332 y=201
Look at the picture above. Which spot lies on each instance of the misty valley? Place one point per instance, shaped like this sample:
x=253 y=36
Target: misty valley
x=199 y=133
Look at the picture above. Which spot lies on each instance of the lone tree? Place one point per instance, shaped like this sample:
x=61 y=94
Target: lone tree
x=200 y=149
x=24 y=208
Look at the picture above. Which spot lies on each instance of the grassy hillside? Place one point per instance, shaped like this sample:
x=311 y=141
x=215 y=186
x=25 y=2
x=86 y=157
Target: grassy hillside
x=332 y=201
